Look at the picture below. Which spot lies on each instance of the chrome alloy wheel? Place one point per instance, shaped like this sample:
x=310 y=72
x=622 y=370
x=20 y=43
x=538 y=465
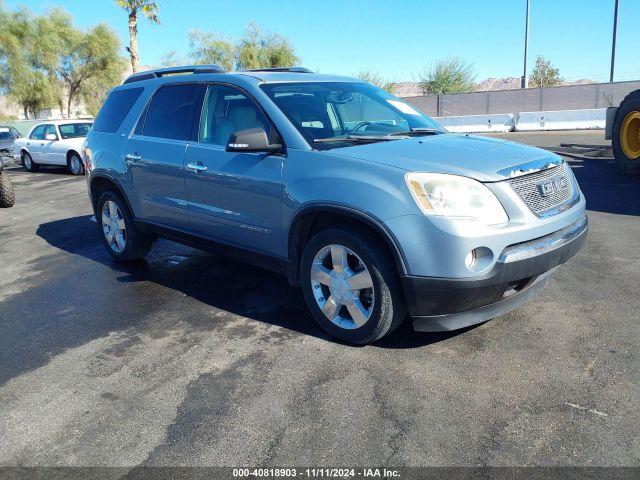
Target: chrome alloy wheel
x=113 y=226
x=75 y=165
x=26 y=160
x=342 y=286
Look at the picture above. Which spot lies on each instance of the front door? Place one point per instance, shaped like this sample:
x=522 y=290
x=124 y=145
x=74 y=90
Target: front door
x=155 y=155
x=36 y=142
x=49 y=152
x=233 y=197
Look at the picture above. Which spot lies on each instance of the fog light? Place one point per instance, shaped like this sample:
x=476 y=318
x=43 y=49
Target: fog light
x=470 y=259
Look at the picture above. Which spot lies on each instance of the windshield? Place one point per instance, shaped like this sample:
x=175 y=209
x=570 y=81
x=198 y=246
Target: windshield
x=336 y=114
x=74 y=130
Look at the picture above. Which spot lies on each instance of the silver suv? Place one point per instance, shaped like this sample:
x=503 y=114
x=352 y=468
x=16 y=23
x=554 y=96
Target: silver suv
x=367 y=204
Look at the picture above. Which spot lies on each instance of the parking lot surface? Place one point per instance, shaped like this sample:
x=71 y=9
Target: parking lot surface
x=191 y=359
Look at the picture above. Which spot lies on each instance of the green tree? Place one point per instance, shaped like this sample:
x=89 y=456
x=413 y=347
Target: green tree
x=256 y=49
x=450 y=75
x=82 y=64
x=375 y=78
x=25 y=85
x=259 y=49
x=101 y=67
x=544 y=74
x=209 y=48
x=149 y=10
x=172 y=59
x=91 y=66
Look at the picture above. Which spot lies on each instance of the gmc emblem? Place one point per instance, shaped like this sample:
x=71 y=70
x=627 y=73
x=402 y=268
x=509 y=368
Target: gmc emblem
x=553 y=185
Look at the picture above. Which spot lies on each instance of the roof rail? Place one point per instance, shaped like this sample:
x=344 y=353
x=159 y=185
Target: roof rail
x=280 y=69
x=160 y=72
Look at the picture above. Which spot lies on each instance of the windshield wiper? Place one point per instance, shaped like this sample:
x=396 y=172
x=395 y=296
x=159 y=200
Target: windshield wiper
x=360 y=138
x=420 y=131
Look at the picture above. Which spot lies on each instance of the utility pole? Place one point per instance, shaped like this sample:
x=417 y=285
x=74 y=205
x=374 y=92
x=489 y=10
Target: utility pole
x=613 y=43
x=523 y=80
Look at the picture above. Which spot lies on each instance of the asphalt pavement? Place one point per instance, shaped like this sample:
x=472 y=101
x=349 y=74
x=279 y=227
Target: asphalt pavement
x=191 y=359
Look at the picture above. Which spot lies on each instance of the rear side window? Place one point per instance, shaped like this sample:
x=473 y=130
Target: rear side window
x=170 y=113
x=115 y=108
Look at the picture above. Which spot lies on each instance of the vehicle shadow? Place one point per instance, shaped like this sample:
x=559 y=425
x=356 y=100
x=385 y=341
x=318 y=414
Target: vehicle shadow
x=214 y=280
x=605 y=188
x=55 y=169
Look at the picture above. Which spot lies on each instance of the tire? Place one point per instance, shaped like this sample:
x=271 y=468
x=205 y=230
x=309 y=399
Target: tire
x=74 y=164
x=28 y=163
x=7 y=195
x=135 y=242
x=386 y=311
x=629 y=110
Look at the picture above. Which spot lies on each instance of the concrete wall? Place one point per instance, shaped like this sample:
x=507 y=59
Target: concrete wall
x=527 y=121
x=478 y=123
x=563 y=120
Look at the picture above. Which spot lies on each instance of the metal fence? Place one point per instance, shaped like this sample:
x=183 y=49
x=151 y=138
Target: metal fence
x=572 y=97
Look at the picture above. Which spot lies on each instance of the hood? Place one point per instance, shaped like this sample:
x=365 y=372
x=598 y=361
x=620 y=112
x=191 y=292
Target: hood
x=467 y=155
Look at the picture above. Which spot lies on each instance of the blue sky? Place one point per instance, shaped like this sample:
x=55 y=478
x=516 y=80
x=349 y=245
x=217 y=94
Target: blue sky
x=396 y=38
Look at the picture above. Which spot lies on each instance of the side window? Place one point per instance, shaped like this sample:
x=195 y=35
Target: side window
x=227 y=110
x=170 y=112
x=37 y=133
x=14 y=132
x=50 y=130
x=115 y=108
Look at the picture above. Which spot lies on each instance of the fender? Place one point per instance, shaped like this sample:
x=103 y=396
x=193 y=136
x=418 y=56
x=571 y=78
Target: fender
x=113 y=180
x=366 y=218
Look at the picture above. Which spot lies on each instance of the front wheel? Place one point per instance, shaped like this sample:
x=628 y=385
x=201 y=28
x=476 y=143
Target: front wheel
x=123 y=240
x=351 y=285
x=28 y=163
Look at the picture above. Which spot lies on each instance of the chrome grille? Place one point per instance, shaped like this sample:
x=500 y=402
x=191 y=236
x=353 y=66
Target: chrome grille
x=527 y=187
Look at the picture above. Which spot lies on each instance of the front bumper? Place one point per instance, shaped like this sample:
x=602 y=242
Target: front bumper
x=440 y=304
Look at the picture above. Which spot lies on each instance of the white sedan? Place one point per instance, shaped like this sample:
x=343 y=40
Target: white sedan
x=55 y=142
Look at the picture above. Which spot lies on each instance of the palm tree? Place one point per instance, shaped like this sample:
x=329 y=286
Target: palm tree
x=149 y=9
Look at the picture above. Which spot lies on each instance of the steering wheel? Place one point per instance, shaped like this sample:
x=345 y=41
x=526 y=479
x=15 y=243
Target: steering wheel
x=360 y=125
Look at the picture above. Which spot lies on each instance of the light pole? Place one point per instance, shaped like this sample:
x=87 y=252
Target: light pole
x=613 y=42
x=523 y=80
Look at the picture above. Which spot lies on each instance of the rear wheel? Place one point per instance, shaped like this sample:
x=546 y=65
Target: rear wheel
x=351 y=286
x=74 y=163
x=7 y=195
x=123 y=240
x=28 y=163
x=626 y=135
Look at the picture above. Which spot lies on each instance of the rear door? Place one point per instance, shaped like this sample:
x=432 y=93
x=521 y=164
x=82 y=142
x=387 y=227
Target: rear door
x=234 y=197
x=155 y=154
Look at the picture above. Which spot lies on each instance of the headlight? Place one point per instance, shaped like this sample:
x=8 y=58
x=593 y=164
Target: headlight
x=455 y=196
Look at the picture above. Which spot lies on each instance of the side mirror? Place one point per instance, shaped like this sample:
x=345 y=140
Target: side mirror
x=51 y=137
x=251 y=140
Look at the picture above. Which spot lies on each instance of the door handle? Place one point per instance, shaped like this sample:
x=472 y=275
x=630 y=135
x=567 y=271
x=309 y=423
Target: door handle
x=133 y=157
x=197 y=167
